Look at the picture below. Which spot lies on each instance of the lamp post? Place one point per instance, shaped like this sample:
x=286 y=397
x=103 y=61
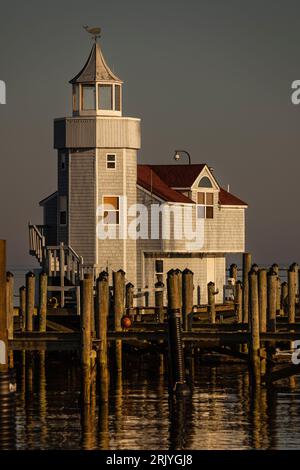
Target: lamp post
x=177 y=155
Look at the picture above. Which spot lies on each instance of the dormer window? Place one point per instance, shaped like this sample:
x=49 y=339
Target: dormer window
x=205 y=183
x=205 y=201
x=88 y=97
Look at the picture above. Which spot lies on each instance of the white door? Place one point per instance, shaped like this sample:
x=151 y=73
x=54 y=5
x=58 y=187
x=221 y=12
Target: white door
x=211 y=270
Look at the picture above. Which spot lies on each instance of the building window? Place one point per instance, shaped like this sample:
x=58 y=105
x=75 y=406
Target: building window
x=105 y=97
x=63 y=161
x=117 y=97
x=159 y=266
x=88 y=97
x=75 y=98
x=111 y=210
x=205 y=209
x=111 y=161
x=63 y=210
x=205 y=182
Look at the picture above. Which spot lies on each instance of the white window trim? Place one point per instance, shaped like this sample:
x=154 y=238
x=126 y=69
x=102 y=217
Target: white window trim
x=205 y=191
x=115 y=155
x=110 y=210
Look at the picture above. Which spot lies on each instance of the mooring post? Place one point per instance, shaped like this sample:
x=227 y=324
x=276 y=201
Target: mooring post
x=30 y=297
x=129 y=298
x=187 y=297
x=233 y=269
x=62 y=274
x=292 y=279
x=176 y=357
x=43 y=284
x=254 y=349
x=246 y=269
x=159 y=301
x=10 y=304
x=211 y=302
x=271 y=300
x=22 y=296
x=118 y=302
x=86 y=340
x=262 y=299
x=102 y=312
x=238 y=301
x=284 y=298
x=3 y=311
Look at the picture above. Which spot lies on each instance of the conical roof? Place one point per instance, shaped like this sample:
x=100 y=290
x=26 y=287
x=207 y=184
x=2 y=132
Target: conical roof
x=95 y=69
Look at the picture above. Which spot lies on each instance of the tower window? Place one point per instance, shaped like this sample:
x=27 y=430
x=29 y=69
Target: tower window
x=63 y=161
x=88 y=97
x=205 y=201
x=105 y=97
x=159 y=266
x=63 y=210
x=75 y=98
x=111 y=210
x=117 y=97
x=111 y=161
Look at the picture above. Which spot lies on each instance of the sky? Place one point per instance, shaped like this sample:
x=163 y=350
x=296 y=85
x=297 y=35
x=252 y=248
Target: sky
x=209 y=76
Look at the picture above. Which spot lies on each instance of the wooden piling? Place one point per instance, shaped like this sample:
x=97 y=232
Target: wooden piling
x=3 y=315
x=10 y=304
x=22 y=297
x=43 y=285
x=262 y=299
x=102 y=312
x=211 y=302
x=233 y=271
x=187 y=296
x=271 y=300
x=118 y=306
x=246 y=269
x=86 y=340
x=30 y=297
x=254 y=348
x=129 y=298
x=62 y=274
x=284 y=298
x=159 y=301
x=238 y=301
x=292 y=279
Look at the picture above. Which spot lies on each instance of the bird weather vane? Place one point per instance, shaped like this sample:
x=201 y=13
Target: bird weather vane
x=95 y=32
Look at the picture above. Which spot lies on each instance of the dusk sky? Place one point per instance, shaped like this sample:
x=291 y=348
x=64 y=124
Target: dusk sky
x=209 y=76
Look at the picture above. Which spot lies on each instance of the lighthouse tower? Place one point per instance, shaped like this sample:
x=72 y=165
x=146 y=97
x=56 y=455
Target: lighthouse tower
x=97 y=169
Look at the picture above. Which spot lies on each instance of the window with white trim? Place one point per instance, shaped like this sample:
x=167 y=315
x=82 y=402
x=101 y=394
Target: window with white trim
x=205 y=202
x=111 y=161
x=111 y=210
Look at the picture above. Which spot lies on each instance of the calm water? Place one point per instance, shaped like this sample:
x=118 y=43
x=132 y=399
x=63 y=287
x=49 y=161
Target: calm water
x=220 y=415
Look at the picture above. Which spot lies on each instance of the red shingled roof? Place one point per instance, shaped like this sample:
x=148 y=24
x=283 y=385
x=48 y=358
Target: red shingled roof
x=159 y=179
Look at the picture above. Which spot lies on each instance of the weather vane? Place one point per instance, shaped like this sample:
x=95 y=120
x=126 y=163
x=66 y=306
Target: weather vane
x=95 y=32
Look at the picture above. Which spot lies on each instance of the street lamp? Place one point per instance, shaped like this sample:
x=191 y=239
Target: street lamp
x=177 y=155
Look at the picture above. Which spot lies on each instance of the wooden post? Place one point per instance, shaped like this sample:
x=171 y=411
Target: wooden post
x=284 y=298
x=211 y=302
x=62 y=274
x=255 y=267
x=22 y=296
x=102 y=312
x=246 y=269
x=159 y=301
x=238 y=301
x=278 y=296
x=10 y=304
x=30 y=297
x=254 y=323
x=262 y=299
x=176 y=359
x=233 y=272
x=187 y=296
x=129 y=298
x=86 y=341
x=292 y=279
x=43 y=284
x=3 y=314
x=271 y=300
x=118 y=302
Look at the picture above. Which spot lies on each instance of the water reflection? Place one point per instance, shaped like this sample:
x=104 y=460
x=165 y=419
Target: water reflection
x=135 y=412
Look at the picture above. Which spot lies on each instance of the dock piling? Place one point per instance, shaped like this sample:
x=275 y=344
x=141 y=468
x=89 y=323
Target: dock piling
x=187 y=296
x=102 y=311
x=10 y=304
x=30 y=298
x=43 y=284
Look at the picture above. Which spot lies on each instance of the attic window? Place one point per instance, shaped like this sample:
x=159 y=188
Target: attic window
x=110 y=161
x=205 y=182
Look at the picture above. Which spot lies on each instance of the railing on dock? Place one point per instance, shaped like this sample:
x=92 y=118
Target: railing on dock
x=37 y=241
